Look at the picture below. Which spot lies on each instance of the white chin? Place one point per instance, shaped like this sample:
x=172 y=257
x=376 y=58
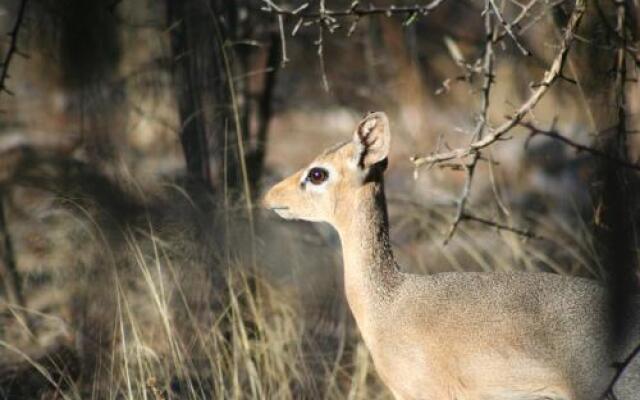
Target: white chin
x=285 y=214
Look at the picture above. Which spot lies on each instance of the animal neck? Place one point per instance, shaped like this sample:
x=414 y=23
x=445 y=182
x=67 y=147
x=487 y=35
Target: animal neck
x=371 y=274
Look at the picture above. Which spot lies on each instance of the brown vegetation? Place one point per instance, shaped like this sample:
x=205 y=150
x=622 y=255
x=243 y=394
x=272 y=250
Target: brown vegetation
x=136 y=138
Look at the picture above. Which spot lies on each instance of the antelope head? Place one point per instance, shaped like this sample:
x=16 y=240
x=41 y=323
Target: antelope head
x=326 y=189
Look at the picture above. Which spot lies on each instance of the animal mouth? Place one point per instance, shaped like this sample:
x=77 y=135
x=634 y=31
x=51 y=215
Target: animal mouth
x=282 y=211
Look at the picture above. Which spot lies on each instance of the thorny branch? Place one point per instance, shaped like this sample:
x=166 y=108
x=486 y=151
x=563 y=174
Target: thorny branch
x=553 y=134
x=320 y=43
x=508 y=28
x=620 y=369
x=283 y=42
x=487 y=70
x=502 y=227
x=13 y=46
x=464 y=197
x=524 y=11
x=8 y=268
x=483 y=136
x=478 y=140
x=355 y=10
x=550 y=76
x=327 y=20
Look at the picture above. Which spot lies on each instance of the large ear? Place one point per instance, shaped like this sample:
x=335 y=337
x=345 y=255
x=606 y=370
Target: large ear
x=371 y=140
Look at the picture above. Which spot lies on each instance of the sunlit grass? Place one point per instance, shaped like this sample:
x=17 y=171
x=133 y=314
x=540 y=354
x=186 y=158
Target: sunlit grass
x=164 y=320
x=250 y=342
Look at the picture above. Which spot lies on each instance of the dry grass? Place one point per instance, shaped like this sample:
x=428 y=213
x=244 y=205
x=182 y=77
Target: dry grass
x=160 y=310
x=166 y=308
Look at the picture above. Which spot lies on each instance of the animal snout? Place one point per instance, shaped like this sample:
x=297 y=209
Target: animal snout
x=271 y=199
x=267 y=200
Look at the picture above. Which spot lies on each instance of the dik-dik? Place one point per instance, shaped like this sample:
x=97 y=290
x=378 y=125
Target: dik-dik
x=453 y=335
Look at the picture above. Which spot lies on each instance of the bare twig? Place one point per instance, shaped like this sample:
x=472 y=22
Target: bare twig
x=487 y=70
x=283 y=42
x=356 y=10
x=502 y=227
x=508 y=28
x=320 y=44
x=327 y=19
x=553 y=134
x=464 y=197
x=620 y=369
x=8 y=268
x=550 y=76
x=533 y=20
x=524 y=11
x=13 y=46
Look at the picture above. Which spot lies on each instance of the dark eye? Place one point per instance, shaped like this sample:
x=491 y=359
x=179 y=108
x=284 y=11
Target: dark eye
x=317 y=175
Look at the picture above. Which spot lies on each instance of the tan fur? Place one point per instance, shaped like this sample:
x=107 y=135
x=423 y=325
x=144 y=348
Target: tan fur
x=462 y=336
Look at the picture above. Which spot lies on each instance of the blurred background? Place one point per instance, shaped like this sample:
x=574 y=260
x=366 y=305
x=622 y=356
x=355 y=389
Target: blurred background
x=137 y=137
